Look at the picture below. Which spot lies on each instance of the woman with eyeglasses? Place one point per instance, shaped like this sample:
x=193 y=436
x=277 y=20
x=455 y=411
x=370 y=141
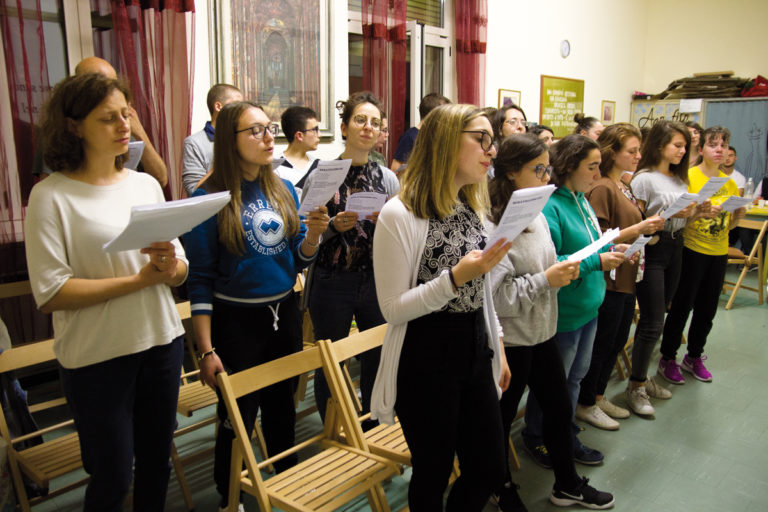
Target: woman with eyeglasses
x=616 y=207
x=341 y=285
x=243 y=265
x=572 y=226
x=442 y=363
x=525 y=285
x=507 y=120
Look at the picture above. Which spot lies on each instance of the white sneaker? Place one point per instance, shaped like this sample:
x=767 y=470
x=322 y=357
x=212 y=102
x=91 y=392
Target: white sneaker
x=612 y=410
x=595 y=416
x=655 y=390
x=637 y=400
x=240 y=508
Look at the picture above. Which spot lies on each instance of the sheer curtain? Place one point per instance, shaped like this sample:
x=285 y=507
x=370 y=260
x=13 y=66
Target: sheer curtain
x=471 y=38
x=152 y=42
x=384 y=66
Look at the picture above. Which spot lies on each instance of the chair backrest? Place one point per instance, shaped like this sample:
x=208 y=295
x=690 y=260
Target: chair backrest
x=357 y=343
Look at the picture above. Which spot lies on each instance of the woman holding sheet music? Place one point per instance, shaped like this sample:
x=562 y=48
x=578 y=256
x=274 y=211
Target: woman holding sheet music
x=441 y=362
x=662 y=178
x=243 y=266
x=117 y=334
x=615 y=206
x=525 y=285
x=573 y=226
x=341 y=282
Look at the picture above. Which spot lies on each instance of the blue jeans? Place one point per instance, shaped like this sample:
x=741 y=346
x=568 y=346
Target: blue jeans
x=575 y=348
x=125 y=409
x=335 y=298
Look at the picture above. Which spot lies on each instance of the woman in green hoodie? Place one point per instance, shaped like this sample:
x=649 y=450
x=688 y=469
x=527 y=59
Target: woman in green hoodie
x=572 y=226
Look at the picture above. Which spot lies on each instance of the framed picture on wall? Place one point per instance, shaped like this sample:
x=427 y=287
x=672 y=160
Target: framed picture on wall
x=276 y=53
x=608 y=112
x=508 y=96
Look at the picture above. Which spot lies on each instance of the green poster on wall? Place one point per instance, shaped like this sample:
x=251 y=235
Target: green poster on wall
x=561 y=99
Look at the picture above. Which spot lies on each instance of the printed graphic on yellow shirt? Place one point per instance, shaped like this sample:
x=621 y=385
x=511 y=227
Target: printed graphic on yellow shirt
x=709 y=236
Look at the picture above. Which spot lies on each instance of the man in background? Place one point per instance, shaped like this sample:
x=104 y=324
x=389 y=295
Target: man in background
x=405 y=144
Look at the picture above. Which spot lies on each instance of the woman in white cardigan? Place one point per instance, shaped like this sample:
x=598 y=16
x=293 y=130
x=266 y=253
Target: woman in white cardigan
x=441 y=365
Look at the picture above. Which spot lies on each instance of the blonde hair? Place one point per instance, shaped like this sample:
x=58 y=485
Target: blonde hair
x=227 y=175
x=428 y=187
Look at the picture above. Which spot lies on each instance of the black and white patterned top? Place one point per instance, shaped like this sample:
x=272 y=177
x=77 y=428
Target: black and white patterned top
x=448 y=240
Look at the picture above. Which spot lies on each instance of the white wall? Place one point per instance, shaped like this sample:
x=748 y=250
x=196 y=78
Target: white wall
x=338 y=64
x=691 y=36
x=607 y=50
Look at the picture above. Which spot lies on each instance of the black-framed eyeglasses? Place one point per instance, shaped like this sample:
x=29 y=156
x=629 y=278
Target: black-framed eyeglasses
x=541 y=169
x=486 y=141
x=361 y=120
x=316 y=129
x=258 y=130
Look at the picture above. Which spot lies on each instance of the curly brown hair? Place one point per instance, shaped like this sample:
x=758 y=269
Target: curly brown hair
x=72 y=100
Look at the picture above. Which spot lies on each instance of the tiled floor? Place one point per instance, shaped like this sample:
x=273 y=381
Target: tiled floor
x=705 y=450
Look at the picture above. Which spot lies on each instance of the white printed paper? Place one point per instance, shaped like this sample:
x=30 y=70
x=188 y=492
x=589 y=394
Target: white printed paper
x=637 y=245
x=162 y=222
x=680 y=204
x=524 y=205
x=690 y=106
x=711 y=187
x=365 y=203
x=735 y=202
x=326 y=180
x=608 y=237
x=135 y=150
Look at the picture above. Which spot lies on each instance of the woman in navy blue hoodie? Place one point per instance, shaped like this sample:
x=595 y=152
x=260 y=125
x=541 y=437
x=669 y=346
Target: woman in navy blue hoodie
x=243 y=265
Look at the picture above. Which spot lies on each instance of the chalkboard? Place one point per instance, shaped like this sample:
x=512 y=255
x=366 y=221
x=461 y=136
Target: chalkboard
x=561 y=99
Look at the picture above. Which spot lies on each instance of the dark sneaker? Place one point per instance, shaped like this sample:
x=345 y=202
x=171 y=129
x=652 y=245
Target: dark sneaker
x=584 y=495
x=695 y=366
x=509 y=500
x=585 y=455
x=538 y=452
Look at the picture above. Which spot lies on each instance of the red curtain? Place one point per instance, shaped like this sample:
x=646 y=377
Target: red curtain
x=471 y=38
x=384 y=66
x=153 y=41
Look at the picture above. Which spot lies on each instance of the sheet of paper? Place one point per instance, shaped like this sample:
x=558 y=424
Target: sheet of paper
x=690 y=106
x=524 y=205
x=637 y=245
x=608 y=237
x=162 y=222
x=135 y=150
x=680 y=203
x=326 y=180
x=735 y=202
x=710 y=187
x=365 y=203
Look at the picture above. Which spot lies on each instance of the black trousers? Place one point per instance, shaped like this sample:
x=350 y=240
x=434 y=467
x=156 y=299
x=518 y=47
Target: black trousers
x=654 y=293
x=540 y=367
x=614 y=320
x=447 y=404
x=245 y=337
x=701 y=282
x=125 y=414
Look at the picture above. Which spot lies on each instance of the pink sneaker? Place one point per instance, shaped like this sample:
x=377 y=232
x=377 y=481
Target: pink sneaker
x=670 y=370
x=695 y=366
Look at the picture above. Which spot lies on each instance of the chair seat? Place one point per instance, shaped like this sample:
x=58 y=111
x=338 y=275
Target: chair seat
x=327 y=480
x=388 y=441
x=193 y=397
x=51 y=459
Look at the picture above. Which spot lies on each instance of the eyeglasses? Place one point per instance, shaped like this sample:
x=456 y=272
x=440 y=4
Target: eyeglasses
x=515 y=122
x=486 y=141
x=316 y=129
x=361 y=120
x=258 y=130
x=541 y=169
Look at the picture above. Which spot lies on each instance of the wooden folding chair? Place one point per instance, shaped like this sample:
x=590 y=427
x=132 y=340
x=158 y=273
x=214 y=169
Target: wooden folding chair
x=336 y=475
x=755 y=257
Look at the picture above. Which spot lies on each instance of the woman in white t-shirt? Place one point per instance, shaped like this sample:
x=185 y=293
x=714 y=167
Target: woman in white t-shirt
x=117 y=334
x=662 y=178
